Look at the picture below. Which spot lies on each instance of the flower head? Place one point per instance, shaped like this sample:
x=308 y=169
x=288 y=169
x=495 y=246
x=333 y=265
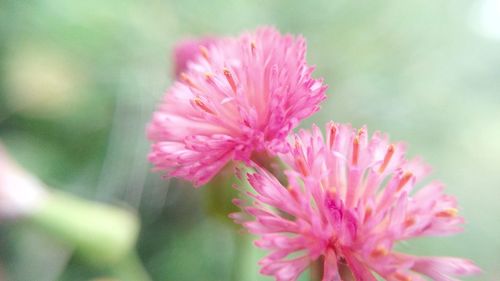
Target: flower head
x=238 y=96
x=349 y=200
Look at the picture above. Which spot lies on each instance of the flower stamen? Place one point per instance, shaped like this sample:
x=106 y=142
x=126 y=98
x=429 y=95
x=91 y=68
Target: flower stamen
x=447 y=213
x=378 y=252
x=333 y=134
x=387 y=158
x=184 y=77
x=230 y=79
x=253 y=47
x=208 y=76
x=404 y=180
x=402 y=277
x=199 y=103
x=301 y=166
x=368 y=213
x=355 y=147
x=204 y=52
x=355 y=150
x=409 y=222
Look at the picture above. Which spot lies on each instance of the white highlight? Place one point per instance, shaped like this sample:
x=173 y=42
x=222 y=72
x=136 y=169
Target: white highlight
x=486 y=18
x=20 y=192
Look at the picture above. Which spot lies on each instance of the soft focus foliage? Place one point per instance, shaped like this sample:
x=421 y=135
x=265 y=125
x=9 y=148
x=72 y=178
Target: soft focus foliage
x=80 y=79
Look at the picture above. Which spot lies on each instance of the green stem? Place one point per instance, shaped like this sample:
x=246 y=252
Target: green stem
x=103 y=235
x=272 y=164
x=316 y=270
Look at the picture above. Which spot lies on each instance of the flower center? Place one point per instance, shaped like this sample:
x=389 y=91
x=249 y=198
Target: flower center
x=343 y=220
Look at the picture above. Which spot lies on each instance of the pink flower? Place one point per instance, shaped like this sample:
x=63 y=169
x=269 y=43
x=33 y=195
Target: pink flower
x=20 y=192
x=238 y=96
x=349 y=200
x=187 y=50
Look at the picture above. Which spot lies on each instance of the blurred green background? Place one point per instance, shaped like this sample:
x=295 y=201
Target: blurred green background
x=80 y=79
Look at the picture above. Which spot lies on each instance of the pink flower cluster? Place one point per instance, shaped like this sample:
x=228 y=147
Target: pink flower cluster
x=237 y=96
x=348 y=198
